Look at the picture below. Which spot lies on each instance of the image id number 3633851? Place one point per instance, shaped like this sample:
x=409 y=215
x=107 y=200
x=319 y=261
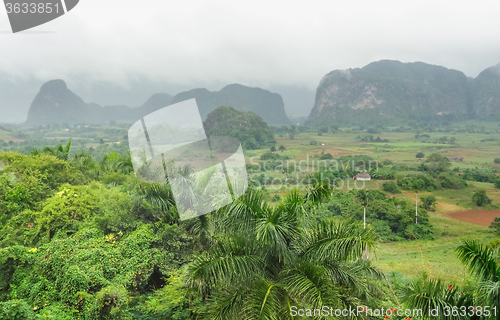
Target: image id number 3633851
x=32 y=7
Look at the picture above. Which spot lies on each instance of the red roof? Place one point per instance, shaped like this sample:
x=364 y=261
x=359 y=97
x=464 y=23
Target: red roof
x=363 y=175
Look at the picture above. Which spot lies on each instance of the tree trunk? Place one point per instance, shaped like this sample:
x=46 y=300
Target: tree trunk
x=364 y=217
x=365 y=253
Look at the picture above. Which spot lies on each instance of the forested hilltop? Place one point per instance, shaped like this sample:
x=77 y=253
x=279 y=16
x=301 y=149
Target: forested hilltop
x=247 y=127
x=55 y=103
x=390 y=91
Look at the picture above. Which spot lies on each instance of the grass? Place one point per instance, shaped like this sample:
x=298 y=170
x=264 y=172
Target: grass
x=436 y=257
x=402 y=147
x=4 y=134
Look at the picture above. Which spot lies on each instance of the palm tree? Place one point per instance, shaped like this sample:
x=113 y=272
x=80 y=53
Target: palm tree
x=427 y=294
x=363 y=196
x=482 y=262
x=157 y=199
x=59 y=151
x=116 y=162
x=86 y=163
x=281 y=148
x=265 y=259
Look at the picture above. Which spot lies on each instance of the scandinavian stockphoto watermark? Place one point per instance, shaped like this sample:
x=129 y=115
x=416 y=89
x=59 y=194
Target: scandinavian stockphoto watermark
x=170 y=146
x=311 y=171
x=207 y=173
x=27 y=14
x=359 y=311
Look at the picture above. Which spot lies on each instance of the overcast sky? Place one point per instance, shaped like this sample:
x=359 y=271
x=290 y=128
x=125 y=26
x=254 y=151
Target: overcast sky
x=260 y=43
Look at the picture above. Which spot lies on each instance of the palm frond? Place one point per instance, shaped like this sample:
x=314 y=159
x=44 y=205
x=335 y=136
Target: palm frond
x=276 y=231
x=336 y=239
x=480 y=259
x=264 y=301
x=231 y=260
x=242 y=214
x=310 y=284
x=426 y=293
x=318 y=193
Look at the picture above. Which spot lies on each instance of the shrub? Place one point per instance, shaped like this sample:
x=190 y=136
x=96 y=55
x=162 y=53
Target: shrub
x=497 y=160
x=438 y=163
x=386 y=162
x=428 y=203
x=451 y=181
x=391 y=187
x=382 y=174
x=480 y=198
x=15 y=310
x=113 y=178
x=325 y=156
x=418 y=183
x=270 y=156
x=495 y=225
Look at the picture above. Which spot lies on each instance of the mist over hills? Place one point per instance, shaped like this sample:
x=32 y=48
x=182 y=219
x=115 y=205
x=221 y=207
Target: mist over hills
x=392 y=90
x=17 y=93
x=55 y=103
x=269 y=106
x=383 y=91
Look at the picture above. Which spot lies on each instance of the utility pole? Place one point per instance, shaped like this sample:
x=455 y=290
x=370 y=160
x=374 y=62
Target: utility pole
x=364 y=217
x=416 y=207
x=365 y=253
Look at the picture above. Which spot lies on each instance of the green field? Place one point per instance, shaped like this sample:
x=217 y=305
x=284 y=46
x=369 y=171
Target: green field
x=402 y=146
x=4 y=134
x=436 y=257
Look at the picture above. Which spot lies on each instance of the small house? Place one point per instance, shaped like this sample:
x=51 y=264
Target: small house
x=363 y=177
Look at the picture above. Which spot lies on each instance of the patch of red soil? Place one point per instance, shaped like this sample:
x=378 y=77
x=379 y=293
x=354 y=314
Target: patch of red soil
x=480 y=217
x=11 y=139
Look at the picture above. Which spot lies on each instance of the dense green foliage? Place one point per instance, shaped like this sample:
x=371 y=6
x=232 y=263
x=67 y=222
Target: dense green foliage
x=392 y=218
x=81 y=238
x=248 y=127
x=72 y=247
x=391 y=187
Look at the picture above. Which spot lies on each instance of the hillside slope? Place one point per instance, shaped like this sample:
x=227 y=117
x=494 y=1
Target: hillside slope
x=391 y=90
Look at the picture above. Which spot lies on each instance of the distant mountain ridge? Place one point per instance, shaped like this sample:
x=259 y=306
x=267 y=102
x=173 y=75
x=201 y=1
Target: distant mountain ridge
x=387 y=89
x=269 y=106
x=55 y=103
